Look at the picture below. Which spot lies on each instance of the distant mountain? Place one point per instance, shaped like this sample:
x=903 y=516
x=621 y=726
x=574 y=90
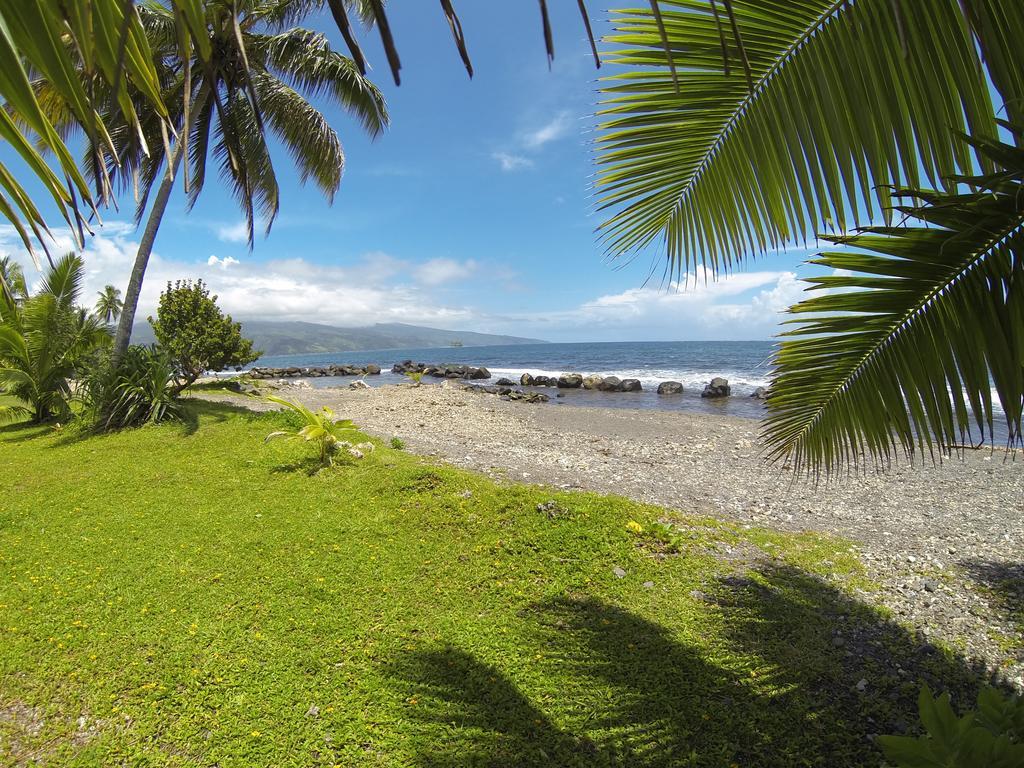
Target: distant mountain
x=291 y=338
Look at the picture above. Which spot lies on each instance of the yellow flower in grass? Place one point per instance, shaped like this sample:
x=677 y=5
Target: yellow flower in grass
x=635 y=527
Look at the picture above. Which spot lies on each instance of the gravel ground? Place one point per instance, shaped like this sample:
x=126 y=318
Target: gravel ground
x=945 y=543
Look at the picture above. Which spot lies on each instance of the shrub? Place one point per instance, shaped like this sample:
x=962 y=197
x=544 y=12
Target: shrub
x=196 y=335
x=44 y=341
x=992 y=735
x=139 y=389
x=398 y=443
x=322 y=429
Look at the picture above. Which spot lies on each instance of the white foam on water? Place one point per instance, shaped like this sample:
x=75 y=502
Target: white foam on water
x=648 y=377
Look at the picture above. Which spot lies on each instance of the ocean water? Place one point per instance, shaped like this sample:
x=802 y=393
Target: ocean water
x=746 y=364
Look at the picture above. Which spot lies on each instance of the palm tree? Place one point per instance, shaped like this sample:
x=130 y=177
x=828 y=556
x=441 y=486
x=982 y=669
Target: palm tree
x=256 y=80
x=108 y=305
x=737 y=127
x=13 y=288
x=44 y=341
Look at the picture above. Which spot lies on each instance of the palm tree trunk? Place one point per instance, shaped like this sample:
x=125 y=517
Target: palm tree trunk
x=131 y=294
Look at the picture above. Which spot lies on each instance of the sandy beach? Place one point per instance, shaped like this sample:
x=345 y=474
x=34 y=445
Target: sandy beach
x=943 y=543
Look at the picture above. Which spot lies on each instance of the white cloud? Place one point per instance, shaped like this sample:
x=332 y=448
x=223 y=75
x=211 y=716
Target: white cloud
x=233 y=233
x=554 y=129
x=744 y=305
x=379 y=287
x=224 y=263
x=512 y=162
x=440 y=271
x=531 y=142
x=376 y=288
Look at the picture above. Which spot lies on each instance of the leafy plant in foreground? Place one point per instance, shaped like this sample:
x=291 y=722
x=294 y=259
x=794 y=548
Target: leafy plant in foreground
x=903 y=347
x=990 y=736
x=322 y=429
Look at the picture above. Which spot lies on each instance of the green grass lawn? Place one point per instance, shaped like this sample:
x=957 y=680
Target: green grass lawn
x=186 y=595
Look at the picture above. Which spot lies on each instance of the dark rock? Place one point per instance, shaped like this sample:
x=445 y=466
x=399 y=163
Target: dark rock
x=610 y=384
x=373 y=369
x=560 y=394
x=718 y=387
x=505 y=383
x=570 y=381
x=479 y=373
x=630 y=385
x=526 y=380
x=761 y=393
x=670 y=388
x=541 y=381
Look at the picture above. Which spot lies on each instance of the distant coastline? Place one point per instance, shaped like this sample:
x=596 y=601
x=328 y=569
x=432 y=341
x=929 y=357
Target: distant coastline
x=278 y=338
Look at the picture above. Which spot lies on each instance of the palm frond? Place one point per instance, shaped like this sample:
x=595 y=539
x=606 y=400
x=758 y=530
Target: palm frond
x=305 y=60
x=312 y=143
x=246 y=165
x=914 y=336
x=10 y=413
x=64 y=280
x=843 y=99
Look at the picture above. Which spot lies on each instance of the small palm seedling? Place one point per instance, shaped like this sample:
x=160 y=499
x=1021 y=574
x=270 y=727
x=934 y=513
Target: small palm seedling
x=416 y=377
x=322 y=429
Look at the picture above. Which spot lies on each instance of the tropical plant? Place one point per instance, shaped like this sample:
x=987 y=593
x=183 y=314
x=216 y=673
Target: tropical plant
x=43 y=343
x=195 y=335
x=322 y=429
x=136 y=388
x=108 y=305
x=744 y=126
x=45 y=37
x=13 y=288
x=416 y=377
x=992 y=735
x=913 y=330
x=254 y=83
x=788 y=119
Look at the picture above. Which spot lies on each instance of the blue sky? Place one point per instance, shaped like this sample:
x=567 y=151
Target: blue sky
x=471 y=212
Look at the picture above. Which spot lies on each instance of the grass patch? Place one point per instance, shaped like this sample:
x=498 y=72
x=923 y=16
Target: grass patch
x=185 y=595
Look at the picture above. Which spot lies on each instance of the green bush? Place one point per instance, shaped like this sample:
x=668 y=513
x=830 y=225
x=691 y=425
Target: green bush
x=138 y=389
x=196 y=335
x=398 y=443
x=990 y=736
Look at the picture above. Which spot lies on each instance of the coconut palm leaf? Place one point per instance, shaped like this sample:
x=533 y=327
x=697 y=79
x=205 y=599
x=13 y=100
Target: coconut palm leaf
x=109 y=45
x=914 y=336
x=843 y=99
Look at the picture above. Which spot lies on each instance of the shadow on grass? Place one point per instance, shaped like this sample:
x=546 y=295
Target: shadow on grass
x=22 y=431
x=772 y=687
x=1004 y=581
